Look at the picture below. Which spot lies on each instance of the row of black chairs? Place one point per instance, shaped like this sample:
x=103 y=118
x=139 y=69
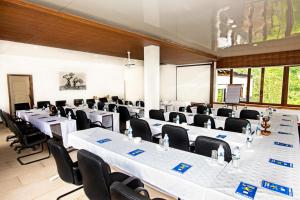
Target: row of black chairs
x=25 y=135
x=94 y=175
x=178 y=138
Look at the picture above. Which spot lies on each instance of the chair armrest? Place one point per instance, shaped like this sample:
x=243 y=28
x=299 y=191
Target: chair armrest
x=97 y=122
x=156 y=135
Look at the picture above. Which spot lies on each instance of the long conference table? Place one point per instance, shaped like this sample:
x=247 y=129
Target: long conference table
x=205 y=179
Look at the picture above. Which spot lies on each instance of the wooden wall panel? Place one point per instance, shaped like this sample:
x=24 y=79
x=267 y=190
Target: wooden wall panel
x=29 y=23
x=261 y=60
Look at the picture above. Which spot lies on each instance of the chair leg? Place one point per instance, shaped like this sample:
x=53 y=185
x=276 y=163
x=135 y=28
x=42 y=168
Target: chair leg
x=48 y=156
x=63 y=195
x=10 y=137
x=13 y=142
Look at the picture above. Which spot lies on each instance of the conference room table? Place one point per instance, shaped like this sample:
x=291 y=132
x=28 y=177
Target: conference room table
x=49 y=124
x=108 y=119
x=132 y=109
x=219 y=120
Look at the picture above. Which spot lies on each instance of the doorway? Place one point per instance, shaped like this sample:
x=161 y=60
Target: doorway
x=20 y=90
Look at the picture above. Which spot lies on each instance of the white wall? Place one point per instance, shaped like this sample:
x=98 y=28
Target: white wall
x=168 y=82
x=105 y=75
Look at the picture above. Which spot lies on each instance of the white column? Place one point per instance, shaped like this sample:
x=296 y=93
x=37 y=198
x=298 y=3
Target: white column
x=151 y=78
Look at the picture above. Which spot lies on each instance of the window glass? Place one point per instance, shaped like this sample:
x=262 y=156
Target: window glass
x=222 y=80
x=294 y=86
x=240 y=76
x=273 y=85
x=255 y=85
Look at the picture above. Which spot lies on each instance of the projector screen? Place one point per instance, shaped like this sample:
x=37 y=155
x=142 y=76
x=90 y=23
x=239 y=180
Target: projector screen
x=193 y=83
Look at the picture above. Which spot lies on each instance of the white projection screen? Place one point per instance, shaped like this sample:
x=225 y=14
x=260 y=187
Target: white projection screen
x=193 y=83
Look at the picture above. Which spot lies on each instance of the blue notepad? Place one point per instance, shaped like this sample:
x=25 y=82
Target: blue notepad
x=246 y=190
x=157 y=124
x=221 y=136
x=136 y=152
x=182 y=168
x=282 y=163
x=287 y=120
x=284 y=133
x=283 y=144
x=104 y=140
x=277 y=188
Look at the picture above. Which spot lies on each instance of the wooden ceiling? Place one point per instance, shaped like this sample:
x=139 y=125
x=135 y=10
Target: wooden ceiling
x=28 y=23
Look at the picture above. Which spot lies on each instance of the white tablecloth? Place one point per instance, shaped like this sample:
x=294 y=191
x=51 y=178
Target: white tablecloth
x=41 y=120
x=131 y=109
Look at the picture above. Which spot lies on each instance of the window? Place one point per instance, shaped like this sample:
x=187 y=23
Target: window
x=255 y=80
x=240 y=76
x=222 y=80
x=294 y=86
x=273 y=85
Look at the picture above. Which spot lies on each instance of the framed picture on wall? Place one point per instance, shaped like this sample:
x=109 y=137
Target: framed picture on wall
x=72 y=81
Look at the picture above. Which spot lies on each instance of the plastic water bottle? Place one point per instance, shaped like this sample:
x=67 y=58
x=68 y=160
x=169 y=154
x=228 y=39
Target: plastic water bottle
x=208 y=124
x=115 y=109
x=138 y=104
x=129 y=133
x=207 y=111
x=236 y=157
x=69 y=116
x=58 y=113
x=249 y=136
x=233 y=114
x=177 y=119
x=43 y=108
x=221 y=157
x=166 y=142
x=95 y=107
x=104 y=110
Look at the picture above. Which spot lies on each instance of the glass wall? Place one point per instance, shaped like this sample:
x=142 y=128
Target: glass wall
x=273 y=85
x=240 y=76
x=255 y=83
x=294 y=86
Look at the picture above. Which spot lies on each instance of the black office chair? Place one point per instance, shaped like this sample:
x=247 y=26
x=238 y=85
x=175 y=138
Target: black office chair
x=224 y=112
x=200 y=119
x=84 y=123
x=204 y=146
x=90 y=103
x=181 y=109
x=249 y=114
x=201 y=109
x=188 y=109
x=62 y=111
x=97 y=176
x=141 y=128
x=157 y=114
x=111 y=107
x=60 y=103
x=103 y=99
x=128 y=103
x=124 y=117
x=101 y=105
x=120 y=101
x=119 y=191
x=68 y=170
x=235 y=124
x=142 y=104
x=69 y=110
x=22 y=106
x=41 y=104
x=173 y=115
x=78 y=102
x=178 y=137
x=115 y=98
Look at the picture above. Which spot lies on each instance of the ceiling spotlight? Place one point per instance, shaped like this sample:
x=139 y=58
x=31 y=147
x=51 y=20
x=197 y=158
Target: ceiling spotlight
x=129 y=63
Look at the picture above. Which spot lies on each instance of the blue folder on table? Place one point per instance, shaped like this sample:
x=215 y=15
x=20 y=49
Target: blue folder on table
x=136 y=152
x=287 y=120
x=285 y=125
x=246 y=190
x=104 y=140
x=284 y=133
x=277 y=188
x=221 y=136
x=182 y=168
x=283 y=144
x=157 y=124
x=282 y=163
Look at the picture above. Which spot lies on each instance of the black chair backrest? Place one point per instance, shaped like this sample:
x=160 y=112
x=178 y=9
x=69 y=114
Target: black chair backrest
x=128 y=103
x=202 y=108
x=103 y=99
x=178 y=137
x=95 y=175
x=114 y=98
x=181 y=109
x=173 y=115
x=157 y=114
x=111 y=107
x=101 y=105
x=120 y=191
x=69 y=110
x=41 y=104
x=224 y=112
x=78 y=102
x=142 y=103
x=124 y=114
x=188 y=109
x=120 y=101
x=90 y=101
x=22 y=106
x=249 y=114
x=82 y=121
x=63 y=161
x=60 y=103
x=204 y=146
x=141 y=128
x=200 y=119
x=235 y=124
x=62 y=111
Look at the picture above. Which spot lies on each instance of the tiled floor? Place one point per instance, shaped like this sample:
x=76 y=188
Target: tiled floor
x=32 y=181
